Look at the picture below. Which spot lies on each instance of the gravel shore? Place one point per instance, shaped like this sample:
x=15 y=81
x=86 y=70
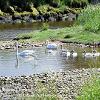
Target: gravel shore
x=65 y=85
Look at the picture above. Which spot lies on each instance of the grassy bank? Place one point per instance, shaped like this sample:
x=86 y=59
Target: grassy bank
x=90 y=91
x=73 y=34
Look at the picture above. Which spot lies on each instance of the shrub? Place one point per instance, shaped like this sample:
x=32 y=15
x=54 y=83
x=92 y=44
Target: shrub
x=76 y=3
x=90 y=18
x=45 y=26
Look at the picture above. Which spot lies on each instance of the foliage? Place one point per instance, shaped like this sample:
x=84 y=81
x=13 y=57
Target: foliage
x=12 y=6
x=45 y=26
x=75 y=3
x=36 y=3
x=90 y=18
x=90 y=91
x=1 y=13
x=46 y=9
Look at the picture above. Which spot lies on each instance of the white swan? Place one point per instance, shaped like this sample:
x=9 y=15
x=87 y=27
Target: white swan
x=64 y=52
x=73 y=53
x=89 y=55
x=51 y=45
x=95 y=53
x=24 y=53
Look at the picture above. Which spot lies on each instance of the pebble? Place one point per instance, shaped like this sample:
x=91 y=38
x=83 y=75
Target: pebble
x=67 y=83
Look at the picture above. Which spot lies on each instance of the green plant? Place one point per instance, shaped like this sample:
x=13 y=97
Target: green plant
x=45 y=26
x=90 y=18
x=90 y=91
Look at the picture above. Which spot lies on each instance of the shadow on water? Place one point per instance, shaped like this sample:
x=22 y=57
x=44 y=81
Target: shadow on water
x=44 y=62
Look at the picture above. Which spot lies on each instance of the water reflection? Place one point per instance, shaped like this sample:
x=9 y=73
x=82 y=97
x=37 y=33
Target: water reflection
x=44 y=62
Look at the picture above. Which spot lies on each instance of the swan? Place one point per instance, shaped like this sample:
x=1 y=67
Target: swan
x=24 y=53
x=93 y=54
x=87 y=54
x=51 y=45
x=73 y=53
x=64 y=52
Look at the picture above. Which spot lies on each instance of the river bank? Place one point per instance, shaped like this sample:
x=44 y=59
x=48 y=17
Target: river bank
x=7 y=45
x=43 y=13
x=74 y=34
x=64 y=85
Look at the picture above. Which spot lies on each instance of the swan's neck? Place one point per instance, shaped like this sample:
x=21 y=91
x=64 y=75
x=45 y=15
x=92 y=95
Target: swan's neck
x=61 y=47
x=17 y=48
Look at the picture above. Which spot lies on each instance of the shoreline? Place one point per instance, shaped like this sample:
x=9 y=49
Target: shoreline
x=6 y=45
x=15 y=19
x=65 y=85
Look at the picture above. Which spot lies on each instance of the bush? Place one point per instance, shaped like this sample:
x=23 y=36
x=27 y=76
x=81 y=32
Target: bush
x=76 y=3
x=45 y=26
x=90 y=18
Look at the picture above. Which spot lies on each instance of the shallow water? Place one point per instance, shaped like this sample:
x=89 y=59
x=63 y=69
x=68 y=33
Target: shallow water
x=44 y=62
x=10 y=31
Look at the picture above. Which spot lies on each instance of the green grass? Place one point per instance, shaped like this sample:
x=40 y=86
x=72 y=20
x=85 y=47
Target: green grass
x=72 y=34
x=90 y=91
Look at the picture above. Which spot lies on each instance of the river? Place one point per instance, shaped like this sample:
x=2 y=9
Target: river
x=43 y=62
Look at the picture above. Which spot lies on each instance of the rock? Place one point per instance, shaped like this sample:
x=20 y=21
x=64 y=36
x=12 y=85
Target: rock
x=71 y=17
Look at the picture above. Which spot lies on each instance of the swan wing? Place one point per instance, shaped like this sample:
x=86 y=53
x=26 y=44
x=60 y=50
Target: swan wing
x=52 y=46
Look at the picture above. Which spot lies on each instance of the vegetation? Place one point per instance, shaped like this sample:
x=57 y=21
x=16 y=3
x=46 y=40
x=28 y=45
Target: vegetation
x=13 y=6
x=90 y=18
x=1 y=13
x=45 y=26
x=90 y=91
x=87 y=30
x=70 y=34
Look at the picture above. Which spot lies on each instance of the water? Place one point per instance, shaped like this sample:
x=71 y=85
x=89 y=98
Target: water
x=44 y=62
x=10 y=31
